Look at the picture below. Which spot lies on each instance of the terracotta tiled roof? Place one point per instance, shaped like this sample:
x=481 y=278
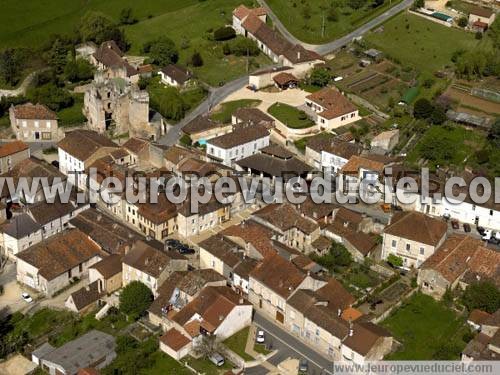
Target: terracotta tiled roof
x=242 y=11
x=174 y=339
x=254 y=233
x=417 y=227
x=480 y=11
x=252 y=115
x=252 y=24
x=356 y=162
x=82 y=144
x=279 y=275
x=285 y=217
x=201 y=124
x=351 y=314
x=109 y=266
x=222 y=248
x=159 y=212
x=86 y=295
x=149 y=260
x=44 y=212
x=12 y=148
x=365 y=336
x=285 y=78
x=334 y=102
x=110 y=55
x=31 y=111
x=136 y=145
x=478 y=316
x=274 y=166
x=298 y=54
x=176 y=153
x=60 y=253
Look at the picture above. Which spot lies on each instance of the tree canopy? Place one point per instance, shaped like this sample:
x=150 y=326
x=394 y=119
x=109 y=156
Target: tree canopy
x=483 y=295
x=135 y=298
x=162 y=51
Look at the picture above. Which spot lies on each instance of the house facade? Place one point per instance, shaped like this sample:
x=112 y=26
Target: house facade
x=34 y=123
x=11 y=154
x=332 y=108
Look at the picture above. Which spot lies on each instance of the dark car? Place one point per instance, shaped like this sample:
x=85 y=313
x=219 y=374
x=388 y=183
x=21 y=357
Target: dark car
x=185 y=250
x=481 y=230
x=455 y=225
x=55 y=163
x=467 y=228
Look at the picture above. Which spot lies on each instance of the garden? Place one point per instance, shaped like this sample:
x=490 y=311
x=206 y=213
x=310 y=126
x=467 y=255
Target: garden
x=427 y=330
x=225 y=111
x=291 y=117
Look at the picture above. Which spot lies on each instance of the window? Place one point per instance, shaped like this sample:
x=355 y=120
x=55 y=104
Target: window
x=408 y=247
x=37 y=124
x=393 y=243
x=47 y=124
x=422 y=251
x=491 y=212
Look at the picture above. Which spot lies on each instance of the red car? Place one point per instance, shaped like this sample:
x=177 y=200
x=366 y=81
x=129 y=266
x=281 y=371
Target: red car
x=454 y=224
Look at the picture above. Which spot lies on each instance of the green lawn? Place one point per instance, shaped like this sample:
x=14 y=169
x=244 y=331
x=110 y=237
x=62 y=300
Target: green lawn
x=224 y=113
x=237 y=343
x=304 y=19
x=261 y=348
x=446 y=145
x=414 y=41
x=206 y=367
x=290 y=116
x=30 y=23
x=425 y=326
x=72 y=116
x=164 y=364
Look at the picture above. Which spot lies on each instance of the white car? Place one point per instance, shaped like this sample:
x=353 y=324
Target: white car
x=260 y=337
x=26 y=297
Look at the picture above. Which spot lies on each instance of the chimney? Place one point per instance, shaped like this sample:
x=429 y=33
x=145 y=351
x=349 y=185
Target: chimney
x=351 y=330
x=146 y=262
x=339 y=312
x=241 y=301
x=298 y=55
x=87 y=288
x=221 y=318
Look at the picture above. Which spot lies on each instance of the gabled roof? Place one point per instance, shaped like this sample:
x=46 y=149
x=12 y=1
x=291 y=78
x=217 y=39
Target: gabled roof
x=110 y=55
x=177 y=73
x=174 y=339
x=240 y=135
x=60 y=253
x=365 y=337
x=31 y=111
x=20 y=226
x=202 y=124
x=109 y=266
x=11 y=148
x=355 y=163
x=83 y=143
x=252 y=115
x=136 y=145
x=333 y=101
x=417 y=227
x=44 y=212
x=480 y=11
x=284 y=217
x=279 y=275
x=149 y=260
x=256 y=234
x=86 y=295
x=242 y=11
x=222 y=248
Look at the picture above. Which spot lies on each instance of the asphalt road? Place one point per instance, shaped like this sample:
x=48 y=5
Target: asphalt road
x=326 y=48
x=290 y=346
x=216 y=95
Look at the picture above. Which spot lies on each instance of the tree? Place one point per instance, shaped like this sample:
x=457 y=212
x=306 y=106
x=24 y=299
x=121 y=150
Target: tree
x=462 y=22
x=207 y=346
x=437 y=150
x=224 y=33
x=394 y=260
x=78 y=70
x=196 y=59
x=377 y=3
x=419 y=4
x=58 y=56
x=244 y=47
x=422 y=108
x=135 y=299
x=356 y=4
x=438 y=116
x=97 y=27
x=56 y=98
x=448 y=297
x=448 y=351
x=494 y=133
x=341 y=256
x=162 y=51
x=332 y=15
x=127 y=17
x=11 y=65
x=320 y=77
x=482 y=295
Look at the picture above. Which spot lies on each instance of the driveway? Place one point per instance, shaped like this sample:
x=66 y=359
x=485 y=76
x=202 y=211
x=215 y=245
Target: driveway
x=289 y=346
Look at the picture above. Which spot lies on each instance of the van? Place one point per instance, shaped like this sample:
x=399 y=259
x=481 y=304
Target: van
x=216 y=359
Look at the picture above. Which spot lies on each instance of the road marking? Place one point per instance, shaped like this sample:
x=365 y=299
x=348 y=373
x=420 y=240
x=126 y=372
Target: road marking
x=294 y=349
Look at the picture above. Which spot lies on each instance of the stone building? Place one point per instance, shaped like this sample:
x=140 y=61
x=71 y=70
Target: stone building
x=116 y=105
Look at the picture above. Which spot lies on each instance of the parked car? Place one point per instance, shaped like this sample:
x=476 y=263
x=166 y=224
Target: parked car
x=467 y=228
x=260 y=337
x=303 y=366
x=55 y=163
x=481 y=230
x=216 y=358
x=455 y=225
x=26 y=297
x=185 y=250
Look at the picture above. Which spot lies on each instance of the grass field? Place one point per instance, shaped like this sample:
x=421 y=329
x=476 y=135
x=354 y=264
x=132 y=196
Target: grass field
x=290 y=116
x=425 y=326
x=304 y=19
x=225 y=111
x=414 y=41
x=237 y=343
x=187 y=23
x=449 y=145
x=72 y=116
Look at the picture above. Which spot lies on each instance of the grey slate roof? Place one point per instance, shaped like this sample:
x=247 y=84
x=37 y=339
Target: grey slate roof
x=20 y=226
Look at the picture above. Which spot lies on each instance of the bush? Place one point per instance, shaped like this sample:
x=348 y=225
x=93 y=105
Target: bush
x=462 y=22
x=422 y=108
x=394 y=260
x=320 y=77
x=135 y=299
x=479 y=35
x=244 y=47
x=224 y=33
x=161 y=51
x=78 y=70
x=196 y=59
x=482 y=295
x=52 y=96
